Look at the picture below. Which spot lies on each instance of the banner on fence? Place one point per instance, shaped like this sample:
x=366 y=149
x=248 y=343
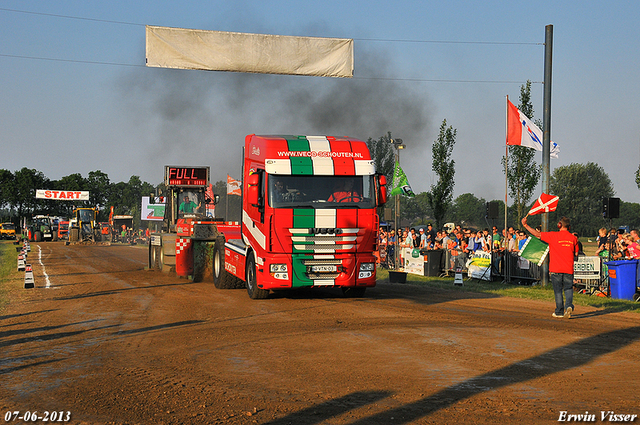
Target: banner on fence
x=586 y=268
x=413 y=264
x=479 y=266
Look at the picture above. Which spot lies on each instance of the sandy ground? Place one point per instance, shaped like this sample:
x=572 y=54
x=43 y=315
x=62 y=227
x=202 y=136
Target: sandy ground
x=112 y=343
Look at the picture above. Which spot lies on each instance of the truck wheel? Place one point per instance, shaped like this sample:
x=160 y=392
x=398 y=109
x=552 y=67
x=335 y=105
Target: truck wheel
x=55 y=237
x=74 y=235
x=255 y=293
x=37 y=237
x=222 y=279
x=353 y=292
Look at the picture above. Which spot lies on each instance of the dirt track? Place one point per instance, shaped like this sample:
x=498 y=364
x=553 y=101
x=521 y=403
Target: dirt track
x=113 y=343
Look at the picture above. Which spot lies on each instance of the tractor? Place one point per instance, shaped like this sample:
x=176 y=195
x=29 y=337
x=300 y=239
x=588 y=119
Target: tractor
x=84 y=227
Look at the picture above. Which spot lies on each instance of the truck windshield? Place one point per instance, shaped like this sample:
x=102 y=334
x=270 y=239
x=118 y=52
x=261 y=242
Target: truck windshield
x=85 y=215
x=320 y=191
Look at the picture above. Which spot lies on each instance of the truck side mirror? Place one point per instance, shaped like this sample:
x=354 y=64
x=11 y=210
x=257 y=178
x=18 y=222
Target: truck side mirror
x=253 y=189
x=382 y=198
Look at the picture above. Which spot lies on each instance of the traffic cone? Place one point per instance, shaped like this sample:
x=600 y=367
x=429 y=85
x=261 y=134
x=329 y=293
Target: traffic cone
x=458 y=278
x=28 y=277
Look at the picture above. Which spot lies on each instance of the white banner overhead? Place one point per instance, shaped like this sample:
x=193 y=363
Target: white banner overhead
x=63 y=195
x=243 y=52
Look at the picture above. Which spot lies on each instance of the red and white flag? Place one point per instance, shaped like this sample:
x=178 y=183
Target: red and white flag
x=522 y=131
x=233 y=186
x=544 y=204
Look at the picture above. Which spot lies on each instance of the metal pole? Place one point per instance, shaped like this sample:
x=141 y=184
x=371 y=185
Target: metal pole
x=546 y=134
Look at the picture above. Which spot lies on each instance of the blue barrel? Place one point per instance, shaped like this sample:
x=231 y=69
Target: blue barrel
x=622 y=278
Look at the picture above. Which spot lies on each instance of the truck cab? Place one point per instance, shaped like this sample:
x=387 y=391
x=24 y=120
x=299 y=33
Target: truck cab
x=309 y=216
x=7 y=231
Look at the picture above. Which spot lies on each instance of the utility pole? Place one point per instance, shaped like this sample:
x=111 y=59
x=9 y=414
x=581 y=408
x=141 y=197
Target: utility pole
x=546 y=135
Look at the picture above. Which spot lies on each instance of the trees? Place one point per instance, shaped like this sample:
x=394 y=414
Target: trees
x=581 y=188
x=7 y=188
x=469 y=211
x=439 y=198
x=382 y=155
x=27 y=181
x=98 y=185
x=523 y=173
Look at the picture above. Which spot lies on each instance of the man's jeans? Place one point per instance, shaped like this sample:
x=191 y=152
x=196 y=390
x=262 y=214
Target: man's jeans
x=562 y=283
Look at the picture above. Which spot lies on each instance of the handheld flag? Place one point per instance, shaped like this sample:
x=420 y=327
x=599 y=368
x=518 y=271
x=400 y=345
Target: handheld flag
x=400 y=185
x=544 y=204
x=534 y=250
x=233 y=186
x=521 y=131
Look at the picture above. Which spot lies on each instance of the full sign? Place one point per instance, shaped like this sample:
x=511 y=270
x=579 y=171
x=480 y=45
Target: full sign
x=186 y=176
x=63 y=195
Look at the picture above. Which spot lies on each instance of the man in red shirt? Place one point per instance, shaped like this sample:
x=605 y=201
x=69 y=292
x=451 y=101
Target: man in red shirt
x=563 y=250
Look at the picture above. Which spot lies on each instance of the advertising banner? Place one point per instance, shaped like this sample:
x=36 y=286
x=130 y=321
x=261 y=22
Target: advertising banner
x=63 y=195
x=479 y=266
x=413 y=263
x=244 y=52
x=152 y=212
x=586 y=268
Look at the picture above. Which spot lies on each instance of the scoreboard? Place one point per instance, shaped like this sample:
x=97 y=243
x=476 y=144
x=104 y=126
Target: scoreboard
x=186 y=176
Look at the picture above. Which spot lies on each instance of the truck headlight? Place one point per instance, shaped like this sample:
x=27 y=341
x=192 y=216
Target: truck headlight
x=279 y=271
x=366 y=270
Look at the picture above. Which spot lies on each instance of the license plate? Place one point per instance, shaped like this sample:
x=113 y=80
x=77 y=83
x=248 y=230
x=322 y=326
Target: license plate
x=324 y=268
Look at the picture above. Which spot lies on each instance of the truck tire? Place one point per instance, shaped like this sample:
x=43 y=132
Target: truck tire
x=222 y=279
x=254 y=292
x=168 y=253
x=55 y=237
x=37 y=236
x=74 y=235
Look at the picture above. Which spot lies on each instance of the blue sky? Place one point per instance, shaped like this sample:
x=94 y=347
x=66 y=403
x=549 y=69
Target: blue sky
x=95 y=106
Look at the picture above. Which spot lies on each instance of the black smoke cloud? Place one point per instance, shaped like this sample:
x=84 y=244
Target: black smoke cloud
x=201 y=118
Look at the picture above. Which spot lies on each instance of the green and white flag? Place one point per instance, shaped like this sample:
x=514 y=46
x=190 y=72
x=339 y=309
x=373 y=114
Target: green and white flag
x=534 y=250
x=400 y=184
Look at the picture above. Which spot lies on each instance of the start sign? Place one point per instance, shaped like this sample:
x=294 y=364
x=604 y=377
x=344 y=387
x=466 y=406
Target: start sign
x=63 y=195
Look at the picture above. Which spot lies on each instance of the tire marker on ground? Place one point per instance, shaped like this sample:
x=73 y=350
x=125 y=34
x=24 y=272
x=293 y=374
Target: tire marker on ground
x=44 y=272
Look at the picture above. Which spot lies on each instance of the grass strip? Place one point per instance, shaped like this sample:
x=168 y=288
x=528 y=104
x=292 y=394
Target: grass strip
x=515 y=291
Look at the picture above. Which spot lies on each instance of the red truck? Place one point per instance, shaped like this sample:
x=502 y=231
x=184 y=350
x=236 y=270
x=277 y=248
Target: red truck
x=308 y=217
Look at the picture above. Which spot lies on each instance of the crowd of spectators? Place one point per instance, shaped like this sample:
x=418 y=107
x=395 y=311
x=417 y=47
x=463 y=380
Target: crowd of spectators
x=618 y=245
x=462 y=243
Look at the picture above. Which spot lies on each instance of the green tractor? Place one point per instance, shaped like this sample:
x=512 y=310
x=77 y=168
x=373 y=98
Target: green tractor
x=42 y=229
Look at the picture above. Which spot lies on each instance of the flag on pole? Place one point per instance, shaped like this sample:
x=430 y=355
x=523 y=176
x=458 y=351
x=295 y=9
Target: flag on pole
x=521 y=131
x=233 y=186
x=544 y=204
x=400 y=185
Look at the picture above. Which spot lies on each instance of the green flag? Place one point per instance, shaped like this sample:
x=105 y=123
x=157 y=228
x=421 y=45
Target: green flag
x=400 y=184
x=534 y=250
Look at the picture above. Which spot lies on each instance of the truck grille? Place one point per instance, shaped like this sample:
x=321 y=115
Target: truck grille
x=327 y=242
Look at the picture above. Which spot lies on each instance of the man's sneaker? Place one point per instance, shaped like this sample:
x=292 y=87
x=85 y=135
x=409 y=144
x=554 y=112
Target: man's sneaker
x=557 y=315
x=567 y=313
